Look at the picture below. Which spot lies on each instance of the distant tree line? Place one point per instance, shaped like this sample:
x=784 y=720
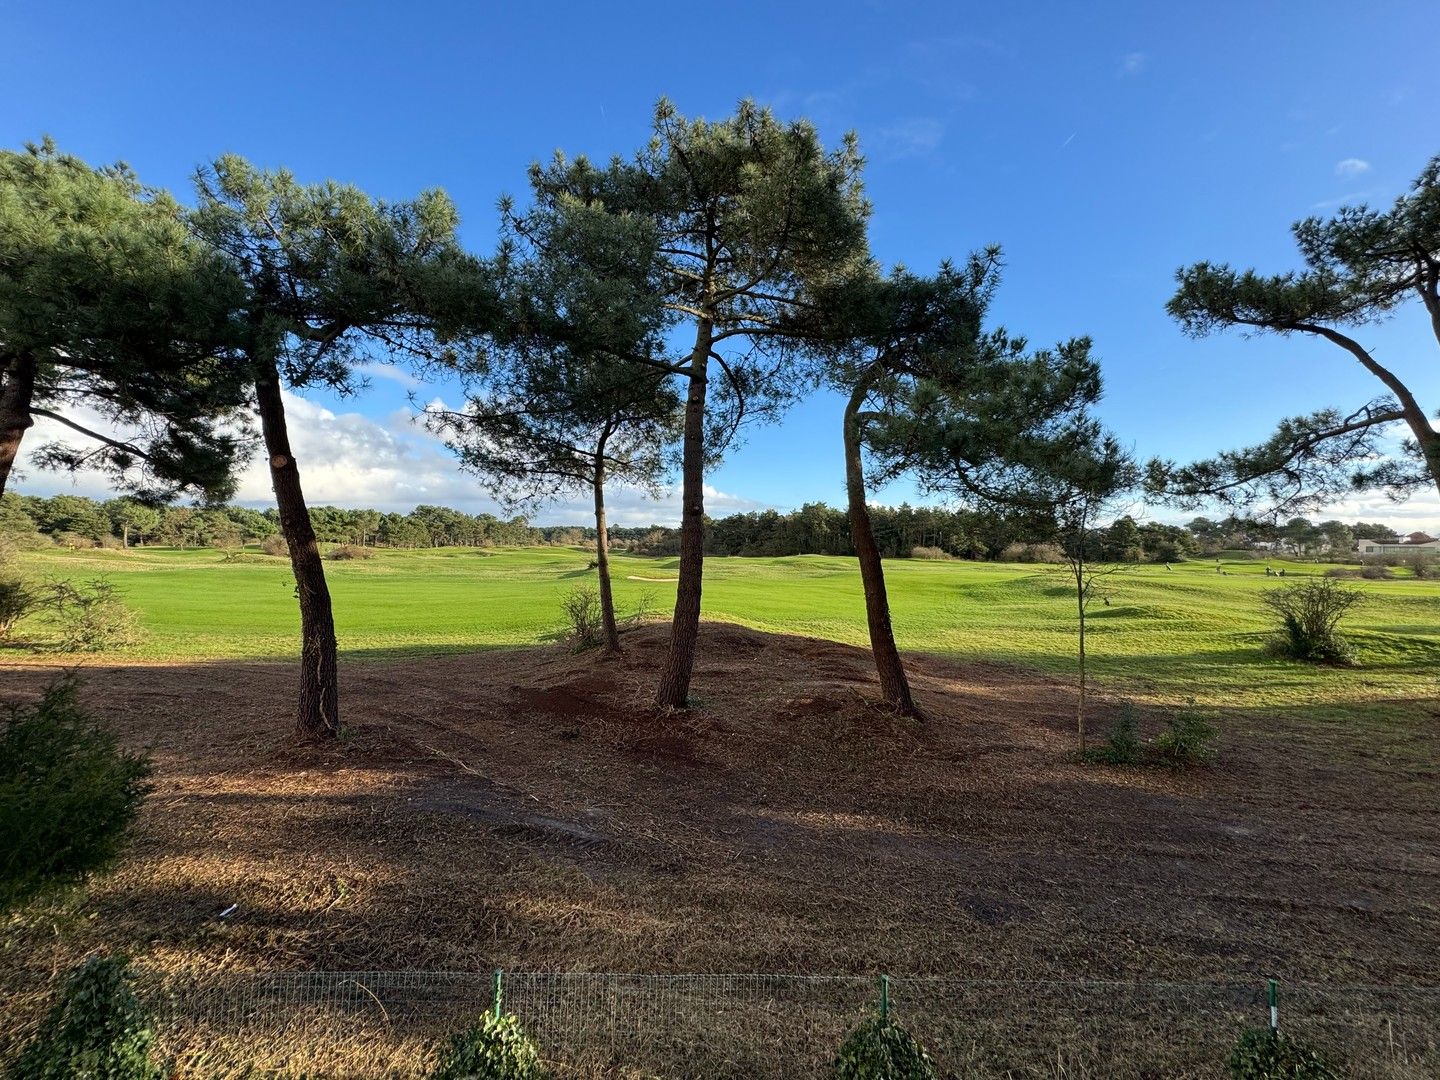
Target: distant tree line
x=814 y=529
x=124 y=522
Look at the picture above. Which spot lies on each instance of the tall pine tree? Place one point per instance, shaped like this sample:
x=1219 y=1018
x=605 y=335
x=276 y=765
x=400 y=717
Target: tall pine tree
x=327 y=277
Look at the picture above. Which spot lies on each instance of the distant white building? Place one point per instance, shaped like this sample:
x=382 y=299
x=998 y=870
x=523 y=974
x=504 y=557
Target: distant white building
x=1404 y=546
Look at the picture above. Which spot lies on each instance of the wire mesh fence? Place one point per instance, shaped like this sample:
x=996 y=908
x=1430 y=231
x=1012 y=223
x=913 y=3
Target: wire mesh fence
x=390 y=1024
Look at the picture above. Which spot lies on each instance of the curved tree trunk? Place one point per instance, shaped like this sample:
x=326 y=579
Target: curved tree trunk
x=17 y=390
x=674 y=689
x=602 y=556
x=893 y=684
x=318 y=711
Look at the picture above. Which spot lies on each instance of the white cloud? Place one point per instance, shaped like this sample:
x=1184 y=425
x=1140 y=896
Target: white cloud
x=1351 y=166
x=1133 y=63
x=1419 y=513
x=352 y=460
x=389 y=372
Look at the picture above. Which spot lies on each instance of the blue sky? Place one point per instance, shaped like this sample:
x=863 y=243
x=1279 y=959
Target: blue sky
x=1102 y=144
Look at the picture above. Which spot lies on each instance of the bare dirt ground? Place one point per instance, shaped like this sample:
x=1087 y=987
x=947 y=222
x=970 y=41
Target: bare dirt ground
x=527 y=809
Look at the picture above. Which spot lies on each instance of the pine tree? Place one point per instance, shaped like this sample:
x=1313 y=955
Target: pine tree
x=1361 y=266
x=327 y=276
x=743 y=216
x=109 y=306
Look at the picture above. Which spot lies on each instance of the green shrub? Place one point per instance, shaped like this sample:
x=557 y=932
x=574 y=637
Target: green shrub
x=1189 y=740
x=1263 y=1054
x=883 y=1050
x=98 y=1030
x=1122 y=743
x=585 y=624
x=17 y=599
x=496 y=1048
x=1310 y=613
x=68 y=795
x=92 y=616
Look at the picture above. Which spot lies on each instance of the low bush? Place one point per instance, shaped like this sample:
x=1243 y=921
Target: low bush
x=883 y=1050
x=928 y=553
x=13 y=540
x=68 y=795
x=1310 y=612
x=91 y=615
x=1033 y=553
x=1188 y=740
x=584 y=622
x=17 y=599
x=1421 y=564
x=1369 y=571
x=1264 y=1054
x=351 y=551
x=1122 y=744
x=645 y=608
x=495 y=1048
x=275 y=545
x=98 y=1030
x=74 y=541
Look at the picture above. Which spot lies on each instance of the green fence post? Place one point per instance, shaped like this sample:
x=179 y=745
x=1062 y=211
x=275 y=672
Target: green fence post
x=884 y=999
x=1273 y=996
x=499 y=990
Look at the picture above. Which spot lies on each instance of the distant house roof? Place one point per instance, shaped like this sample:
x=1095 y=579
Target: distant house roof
x=1390 y=547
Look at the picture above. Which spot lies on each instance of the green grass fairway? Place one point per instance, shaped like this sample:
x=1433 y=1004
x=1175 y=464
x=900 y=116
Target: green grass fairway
x=1174 y=634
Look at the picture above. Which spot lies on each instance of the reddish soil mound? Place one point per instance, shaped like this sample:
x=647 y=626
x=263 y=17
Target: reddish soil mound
x=528 y=808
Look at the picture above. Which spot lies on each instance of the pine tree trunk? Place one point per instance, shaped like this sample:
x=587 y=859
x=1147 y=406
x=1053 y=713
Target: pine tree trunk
x=602 y=556
x=893 y=684
x=674 y=689
x=318 y=711
x=1080 y=706
x=1429 y=444
x=17 y=391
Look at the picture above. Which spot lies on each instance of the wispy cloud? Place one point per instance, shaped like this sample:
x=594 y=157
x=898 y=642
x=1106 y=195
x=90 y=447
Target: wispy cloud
x=914 y=137
x=1132 y=63
x=1351 y=166
x=1350 y=198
